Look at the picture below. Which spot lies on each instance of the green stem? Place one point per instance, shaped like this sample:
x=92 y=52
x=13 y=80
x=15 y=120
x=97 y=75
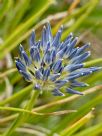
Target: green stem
x=93 y=62
x=22 y=116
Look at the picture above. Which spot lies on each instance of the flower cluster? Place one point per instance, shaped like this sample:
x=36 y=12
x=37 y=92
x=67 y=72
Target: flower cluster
x=54 y=64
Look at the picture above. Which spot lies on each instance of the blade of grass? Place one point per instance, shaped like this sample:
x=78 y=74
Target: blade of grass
x=8 y=45
x=91 y=131
x=4 y=8
x=22 y=116
x=73 y=5
x=70 y=130
x=2 y=75
x=68 y=99
x=20 y=12
x=80 y=19
x=30 y=131
x=97 y=77
x=58 y=102
x=22 y=92
x=93 y=62
x=7 y=118
x=52 y=104
x=70 y=16
x=36 y=113
x=19 y=110
x=81 y=112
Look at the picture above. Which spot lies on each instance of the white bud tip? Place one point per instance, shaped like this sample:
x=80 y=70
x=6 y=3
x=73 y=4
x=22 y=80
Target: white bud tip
x=71 y=34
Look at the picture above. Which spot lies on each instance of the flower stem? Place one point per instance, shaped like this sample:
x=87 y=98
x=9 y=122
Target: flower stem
x=22 y=117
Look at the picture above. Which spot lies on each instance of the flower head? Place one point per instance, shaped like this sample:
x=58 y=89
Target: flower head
x=54 y=64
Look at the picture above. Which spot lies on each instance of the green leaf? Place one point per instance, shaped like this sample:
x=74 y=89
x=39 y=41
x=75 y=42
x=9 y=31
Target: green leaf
x=81 y=19
x=70 y=130
x=91 y=131
x=8 y=44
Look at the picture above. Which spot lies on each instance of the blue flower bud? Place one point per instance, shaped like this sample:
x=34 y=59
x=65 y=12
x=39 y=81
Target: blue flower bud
x=80 y=58
x=72 y=53
x=56 y=40
x=57 y=65
x=20 y=51
x=71 y=46
x=93 y=69
x=32 y=39
x=49 y=34
x=38 y=45
x=60 y=83
x=47 y=57
x=26 y=76
x=68 y=39
x=38 y=74
x=57 y=92
x=73 y=67
x=81 y=49
x=44 y=38
x=46 y=74
x=20 y=65
x=61 y=53
x=26 y=58
x=53 y=55
x=54 y=76
x=35 y=55
x=75 y=83
x=69 y=90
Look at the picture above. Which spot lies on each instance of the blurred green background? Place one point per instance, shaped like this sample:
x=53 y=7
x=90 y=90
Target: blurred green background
x=17 y=19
